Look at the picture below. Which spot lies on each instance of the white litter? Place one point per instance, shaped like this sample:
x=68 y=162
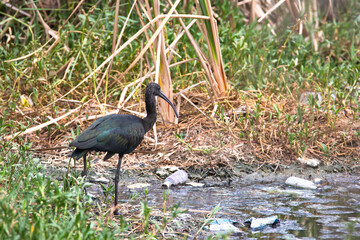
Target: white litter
x=300 y=183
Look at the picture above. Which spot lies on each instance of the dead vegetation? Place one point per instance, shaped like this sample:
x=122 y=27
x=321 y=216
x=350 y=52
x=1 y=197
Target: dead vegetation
x=244 y=127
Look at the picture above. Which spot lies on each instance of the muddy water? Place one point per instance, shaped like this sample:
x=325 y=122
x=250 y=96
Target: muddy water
x=331 y=212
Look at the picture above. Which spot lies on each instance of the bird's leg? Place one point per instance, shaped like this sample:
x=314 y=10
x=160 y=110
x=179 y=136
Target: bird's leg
x=117 y=175
x=84 y=173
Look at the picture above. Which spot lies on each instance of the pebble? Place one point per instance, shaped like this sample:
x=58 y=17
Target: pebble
x=138 y=185
x=319 y=181
x=102 y=180
x=171 y=168
x=195 y=184
x=162 y=172
x=311 y=162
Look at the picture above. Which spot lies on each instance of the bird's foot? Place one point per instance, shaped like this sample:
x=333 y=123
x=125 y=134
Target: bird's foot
x=116 y=212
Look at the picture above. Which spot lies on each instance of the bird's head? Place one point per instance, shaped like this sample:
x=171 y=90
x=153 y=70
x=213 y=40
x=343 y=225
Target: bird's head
x=153 y=89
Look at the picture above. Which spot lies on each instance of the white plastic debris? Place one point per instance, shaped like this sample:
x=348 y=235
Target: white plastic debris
x=222 y=225
x=262 y=222
x=300 y=183
x=179 y=177
x=312 y=162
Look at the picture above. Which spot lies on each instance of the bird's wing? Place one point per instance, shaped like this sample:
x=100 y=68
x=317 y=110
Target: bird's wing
x=123 y=140
x=107 y=134
x=87 y=139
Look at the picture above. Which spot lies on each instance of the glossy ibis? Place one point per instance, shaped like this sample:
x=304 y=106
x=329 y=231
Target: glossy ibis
x=117 y=133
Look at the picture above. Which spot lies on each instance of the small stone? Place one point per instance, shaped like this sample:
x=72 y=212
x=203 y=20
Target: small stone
x=138 y=185
x=171 y=168
x=162 y=173
x=185 y=216
x=352 y=201
x=311 y=162
x=102 y=180
x=240 y=111
x=92 y=196
x=195 y=184
x=319 y=181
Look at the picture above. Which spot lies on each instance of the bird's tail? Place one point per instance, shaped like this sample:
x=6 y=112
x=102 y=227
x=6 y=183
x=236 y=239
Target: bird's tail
x=78 y=153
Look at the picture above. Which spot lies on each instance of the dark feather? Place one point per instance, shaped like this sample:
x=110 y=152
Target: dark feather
x=119 y=134
x=113 y=133
x=108 y=155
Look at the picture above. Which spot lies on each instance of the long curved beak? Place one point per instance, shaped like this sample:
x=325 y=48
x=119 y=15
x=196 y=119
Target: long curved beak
x=163 y=96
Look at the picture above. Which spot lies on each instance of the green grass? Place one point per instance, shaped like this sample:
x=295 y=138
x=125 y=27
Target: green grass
x=35 y=206
x=254 y=59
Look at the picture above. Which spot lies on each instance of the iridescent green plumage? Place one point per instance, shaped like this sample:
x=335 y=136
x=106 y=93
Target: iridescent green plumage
x=118 y=133
x=114 y=133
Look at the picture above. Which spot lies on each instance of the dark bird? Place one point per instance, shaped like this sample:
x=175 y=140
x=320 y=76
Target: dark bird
x=118 y=133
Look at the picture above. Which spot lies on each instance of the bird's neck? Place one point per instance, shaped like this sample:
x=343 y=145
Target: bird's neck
x=150 y=118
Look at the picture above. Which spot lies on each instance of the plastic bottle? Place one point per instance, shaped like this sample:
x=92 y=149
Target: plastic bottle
x=300 y=183
x=178 y=177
